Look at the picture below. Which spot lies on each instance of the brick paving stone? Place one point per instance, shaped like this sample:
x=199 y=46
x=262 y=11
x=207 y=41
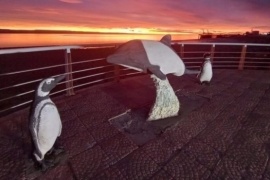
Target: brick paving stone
x=258 y=86
x=94 y=119
x=234 y=90
x=185 y=166
x=248 y=155
x=160 y=150
x=162 y=175
x=61 y=104
x=242 y=161
x=103 y=131
x=111 y=173
x=89 y=163
x=72 y=101
x=59 y=172
x=263 y=107
x=137 y=165
x=72 y=127
x=134 y=125
x=67 y=115
x=118 y=147
x=214 y=89
x=203 y=153
x=86 y=109
x=175 y=81
x=111 y=109
x=12 y=164
x=11 y=135
x=78 y=143
x=215 y=139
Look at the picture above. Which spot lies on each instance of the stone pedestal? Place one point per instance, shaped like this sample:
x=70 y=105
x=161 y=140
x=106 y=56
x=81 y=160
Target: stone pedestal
x=166 y=104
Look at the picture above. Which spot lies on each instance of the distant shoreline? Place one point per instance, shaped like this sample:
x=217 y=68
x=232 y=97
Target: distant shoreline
x=10 y=31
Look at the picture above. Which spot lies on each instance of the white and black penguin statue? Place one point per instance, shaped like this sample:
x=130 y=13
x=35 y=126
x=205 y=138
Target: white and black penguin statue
x=206 y=72
x=45 y=124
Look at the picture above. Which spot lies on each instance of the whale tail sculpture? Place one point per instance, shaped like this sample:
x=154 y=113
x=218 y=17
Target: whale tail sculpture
x=158 y=58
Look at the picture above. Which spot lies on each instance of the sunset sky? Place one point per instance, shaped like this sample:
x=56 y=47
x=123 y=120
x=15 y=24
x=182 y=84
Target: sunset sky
x=141 y=16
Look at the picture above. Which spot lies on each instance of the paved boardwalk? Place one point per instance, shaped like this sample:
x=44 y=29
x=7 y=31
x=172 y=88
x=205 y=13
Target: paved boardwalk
x=222 y=132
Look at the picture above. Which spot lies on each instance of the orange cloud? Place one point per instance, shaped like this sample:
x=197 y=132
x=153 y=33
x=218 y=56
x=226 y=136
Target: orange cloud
x=71 y=1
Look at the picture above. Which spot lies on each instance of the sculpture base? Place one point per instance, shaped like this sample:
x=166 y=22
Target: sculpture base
x=33 y=171
x=166 y=104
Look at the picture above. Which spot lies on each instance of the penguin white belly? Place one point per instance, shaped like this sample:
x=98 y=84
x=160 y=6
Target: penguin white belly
x=49 y=127
x=206 y=74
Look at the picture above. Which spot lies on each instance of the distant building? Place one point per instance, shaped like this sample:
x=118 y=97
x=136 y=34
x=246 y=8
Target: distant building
x=253 y=33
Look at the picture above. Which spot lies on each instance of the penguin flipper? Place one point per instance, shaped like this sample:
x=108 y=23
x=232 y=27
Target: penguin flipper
x=60 y=129
x=156 y=71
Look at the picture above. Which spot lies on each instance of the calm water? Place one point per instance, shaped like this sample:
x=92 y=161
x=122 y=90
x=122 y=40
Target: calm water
x=26 y=40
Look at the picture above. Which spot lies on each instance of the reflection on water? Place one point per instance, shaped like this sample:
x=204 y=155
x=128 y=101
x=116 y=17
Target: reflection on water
x=26 y=40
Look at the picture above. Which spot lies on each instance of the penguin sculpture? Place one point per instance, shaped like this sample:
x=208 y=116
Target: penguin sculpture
x=45 y=123
x=206 y=72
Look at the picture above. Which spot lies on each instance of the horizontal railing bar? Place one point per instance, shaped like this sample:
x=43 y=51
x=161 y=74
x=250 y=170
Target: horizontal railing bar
x=89 y=69
x=191 y=52
x=92 y=82
x=30 y=70
x=98 y=47
x=84 y=77
x=20 y=84
x=252 y=62
x=131 y=73
x=226 y=57
x=29 y=82
x=17 y=95
x=193 y=66
x=91 y=60
x=225 y=65
x=192 y=58
x=219 y=44
x=27 y=102
x=257 y=52
x=28 y=92
x=255 y=66
x=18 y=105
x=36 y=49
x=226 y=62
x=257 y=58
x=220 y=52
x=49 y=67
x=193 y=62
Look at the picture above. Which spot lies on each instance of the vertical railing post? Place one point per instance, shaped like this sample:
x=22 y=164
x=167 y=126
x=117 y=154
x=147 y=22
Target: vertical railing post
x=212 y=52
x=242 y=58
x=116 y=71
x=182 y=50
x=69 y=77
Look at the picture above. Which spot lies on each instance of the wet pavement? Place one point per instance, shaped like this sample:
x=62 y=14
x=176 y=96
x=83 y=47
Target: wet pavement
x=222 y=131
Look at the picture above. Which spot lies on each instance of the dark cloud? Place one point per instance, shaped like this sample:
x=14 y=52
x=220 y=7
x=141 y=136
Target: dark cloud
x=172 y=15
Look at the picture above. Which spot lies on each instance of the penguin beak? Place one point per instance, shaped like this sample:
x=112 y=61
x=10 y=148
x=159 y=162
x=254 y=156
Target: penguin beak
x=59 y=78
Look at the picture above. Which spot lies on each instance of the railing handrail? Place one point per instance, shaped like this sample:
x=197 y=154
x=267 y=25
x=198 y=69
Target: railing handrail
x=37 y=49
x=218 y=43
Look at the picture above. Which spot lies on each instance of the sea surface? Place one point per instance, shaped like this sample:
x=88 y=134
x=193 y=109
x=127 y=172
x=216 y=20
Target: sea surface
x=27 y=40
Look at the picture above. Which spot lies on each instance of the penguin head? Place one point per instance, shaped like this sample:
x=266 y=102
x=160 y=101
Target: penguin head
x=46 y=85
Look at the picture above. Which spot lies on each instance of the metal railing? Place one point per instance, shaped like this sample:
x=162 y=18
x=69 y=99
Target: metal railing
x=92 y=70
